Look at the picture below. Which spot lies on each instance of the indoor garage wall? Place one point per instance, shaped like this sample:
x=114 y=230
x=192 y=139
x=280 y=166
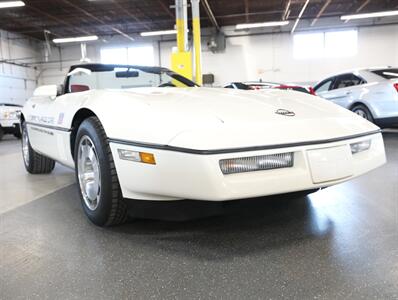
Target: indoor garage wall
x=17 y=82
x=54 y=73
x=269 y=57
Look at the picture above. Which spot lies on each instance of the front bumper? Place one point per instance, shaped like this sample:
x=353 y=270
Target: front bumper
x=179 y=175
x=10 y=126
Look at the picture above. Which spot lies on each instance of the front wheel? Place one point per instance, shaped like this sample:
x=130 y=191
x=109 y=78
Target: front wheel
x=363 y=111
x=98 y=186
x=17 y=133
x=34 y=162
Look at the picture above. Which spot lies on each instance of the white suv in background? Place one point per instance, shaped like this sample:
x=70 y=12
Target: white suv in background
x=9 y=120
x=371 y=93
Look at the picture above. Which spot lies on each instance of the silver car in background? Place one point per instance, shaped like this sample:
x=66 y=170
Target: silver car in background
x=371 y=93
x=9 y=120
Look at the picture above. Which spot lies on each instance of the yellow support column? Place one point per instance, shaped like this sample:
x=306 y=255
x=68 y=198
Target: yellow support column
x=181 y=61
x=197 y=40
x=182 y=25
x=181 y=39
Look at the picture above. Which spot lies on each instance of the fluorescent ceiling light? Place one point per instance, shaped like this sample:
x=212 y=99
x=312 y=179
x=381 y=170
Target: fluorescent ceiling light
x=8 y=4
x=370 y=15
x=160 y=32
x=391 y=74
x=258 y=25
x=76 y=39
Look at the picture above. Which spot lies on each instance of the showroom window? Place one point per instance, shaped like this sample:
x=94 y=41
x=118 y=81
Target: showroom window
x=114 y=56
x=142 y=55
x=325 y=44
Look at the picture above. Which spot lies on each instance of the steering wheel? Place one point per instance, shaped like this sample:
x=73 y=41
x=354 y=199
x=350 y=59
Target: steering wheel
x=167 y=84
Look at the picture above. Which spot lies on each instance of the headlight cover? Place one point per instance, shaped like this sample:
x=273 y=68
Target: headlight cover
x=10 y=115
x=360 y=146
x=257 y=163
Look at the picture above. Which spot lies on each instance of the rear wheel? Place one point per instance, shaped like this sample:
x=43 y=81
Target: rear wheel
x=363 y=111
x=1 y=133
x=35 y=163
x=99 y=187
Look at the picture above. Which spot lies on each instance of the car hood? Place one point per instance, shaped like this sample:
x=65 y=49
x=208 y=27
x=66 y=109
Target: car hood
x=215 y=118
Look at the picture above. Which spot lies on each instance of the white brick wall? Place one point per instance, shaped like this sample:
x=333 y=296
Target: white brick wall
x=16 y=82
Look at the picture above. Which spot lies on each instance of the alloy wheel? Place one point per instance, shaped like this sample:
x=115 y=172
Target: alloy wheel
x=89 y=173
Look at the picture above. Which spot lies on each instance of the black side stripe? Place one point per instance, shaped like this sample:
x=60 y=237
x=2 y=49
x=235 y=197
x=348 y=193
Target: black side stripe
x=50 y=127
x=234 y=150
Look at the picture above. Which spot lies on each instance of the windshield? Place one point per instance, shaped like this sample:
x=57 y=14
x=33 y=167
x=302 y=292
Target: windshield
x=387 y=73
x=89 y=77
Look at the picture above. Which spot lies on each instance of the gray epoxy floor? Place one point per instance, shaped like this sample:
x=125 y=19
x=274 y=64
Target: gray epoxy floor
x=340 y=243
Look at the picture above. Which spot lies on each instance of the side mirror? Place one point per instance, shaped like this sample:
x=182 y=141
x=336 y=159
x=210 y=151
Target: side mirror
x=49 y=91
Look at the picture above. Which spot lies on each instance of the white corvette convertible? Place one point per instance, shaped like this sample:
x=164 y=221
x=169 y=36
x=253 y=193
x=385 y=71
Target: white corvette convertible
x=147 y=133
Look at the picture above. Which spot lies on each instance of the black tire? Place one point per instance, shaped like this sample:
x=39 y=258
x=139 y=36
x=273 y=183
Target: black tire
x=363 y=111
x=1 y=133
x=111 y=208
x=34 y=162
x=18 y=134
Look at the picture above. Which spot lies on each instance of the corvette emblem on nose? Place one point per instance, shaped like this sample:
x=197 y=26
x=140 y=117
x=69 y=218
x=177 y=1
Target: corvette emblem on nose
x=285 y=112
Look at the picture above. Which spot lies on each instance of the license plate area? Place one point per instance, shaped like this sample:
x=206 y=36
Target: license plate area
x=330 y=164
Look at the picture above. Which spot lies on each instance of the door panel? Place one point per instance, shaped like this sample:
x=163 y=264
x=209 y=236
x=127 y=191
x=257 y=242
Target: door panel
x=342 y=97
x=42 y=118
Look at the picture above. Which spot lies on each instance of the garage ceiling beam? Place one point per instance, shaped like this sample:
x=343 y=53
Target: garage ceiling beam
x=130 y=14
x=360 y=8
x=59 y=21
x=131 y=17
x=247 y=10
x=286 y=12
x=118 y=31
x=324 y=7
x=32 y=28
x=93 y=27
x=210 y=14
x=260 y=13
x=300 y=15
x=166 y=9
x=364 y=4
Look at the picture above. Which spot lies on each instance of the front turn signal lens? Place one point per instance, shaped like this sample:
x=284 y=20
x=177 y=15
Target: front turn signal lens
x=148 y=158
x=143 y=157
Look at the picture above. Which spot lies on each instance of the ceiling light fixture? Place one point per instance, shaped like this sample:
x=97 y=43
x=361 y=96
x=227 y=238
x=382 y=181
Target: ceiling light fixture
x=76 y=39
x=160 y=32
x=259 y=25
x=8 y=4
x=391 y=74
x=370 y=15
